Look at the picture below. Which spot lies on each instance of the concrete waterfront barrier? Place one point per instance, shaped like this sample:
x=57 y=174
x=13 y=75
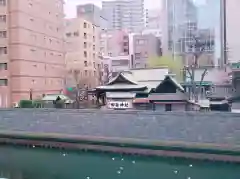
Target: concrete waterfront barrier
x=214 y=136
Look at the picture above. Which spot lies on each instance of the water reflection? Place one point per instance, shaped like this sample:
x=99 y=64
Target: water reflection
x=35 y=163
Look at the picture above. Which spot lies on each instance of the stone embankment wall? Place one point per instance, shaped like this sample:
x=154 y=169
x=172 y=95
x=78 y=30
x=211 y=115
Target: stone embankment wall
x=193 y=127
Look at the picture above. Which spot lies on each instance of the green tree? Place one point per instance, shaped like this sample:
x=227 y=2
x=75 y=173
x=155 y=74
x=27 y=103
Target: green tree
x=175 y=65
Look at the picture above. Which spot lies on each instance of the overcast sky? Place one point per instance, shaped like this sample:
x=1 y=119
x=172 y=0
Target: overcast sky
x=70 y=5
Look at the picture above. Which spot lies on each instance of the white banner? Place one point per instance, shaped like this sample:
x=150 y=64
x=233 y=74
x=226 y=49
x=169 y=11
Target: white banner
x=119 y=105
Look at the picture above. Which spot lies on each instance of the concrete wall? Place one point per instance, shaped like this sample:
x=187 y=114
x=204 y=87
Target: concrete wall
x=192 y=127
x=235 y=106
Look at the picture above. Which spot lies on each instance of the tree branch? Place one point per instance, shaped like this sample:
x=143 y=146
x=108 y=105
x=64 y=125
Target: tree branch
x=189 y=73
x=203 y=75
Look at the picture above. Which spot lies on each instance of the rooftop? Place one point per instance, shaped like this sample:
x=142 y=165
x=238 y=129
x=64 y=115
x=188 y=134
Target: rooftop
x=137 y=79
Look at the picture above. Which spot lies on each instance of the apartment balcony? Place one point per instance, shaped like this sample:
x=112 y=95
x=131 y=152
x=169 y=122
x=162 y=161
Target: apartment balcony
x=4 y=74
x=3 y=58
x=3 y=41
x=3 y=26
x=3 y=9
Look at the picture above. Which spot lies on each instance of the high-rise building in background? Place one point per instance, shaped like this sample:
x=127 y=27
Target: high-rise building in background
x=124 y=14
x=114 y=43
x=207 y=55
x=210 y=16
x=144 y=47
x=118 y=64
x=185 y=20
x=82 y=53
x=179 y=22
x=31 y=49
x=93 y=14
x=153 y=19
x=232 y=27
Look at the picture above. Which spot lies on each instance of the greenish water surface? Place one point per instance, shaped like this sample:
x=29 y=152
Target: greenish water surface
x=35 y=163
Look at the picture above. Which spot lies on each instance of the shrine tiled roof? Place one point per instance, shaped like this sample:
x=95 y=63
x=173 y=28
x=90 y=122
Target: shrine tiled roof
x=137 y=79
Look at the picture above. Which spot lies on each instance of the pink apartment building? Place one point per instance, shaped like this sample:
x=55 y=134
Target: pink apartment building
x=31 y=49
x=82 y=53
x=114 y=43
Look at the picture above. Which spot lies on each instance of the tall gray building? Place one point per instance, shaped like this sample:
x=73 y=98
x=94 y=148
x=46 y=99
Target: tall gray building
x=93 y=14
x=185 y=17
x=124 y=14
x=153 y=18
x=232 y=26
x=210 y=16
x=180 y=20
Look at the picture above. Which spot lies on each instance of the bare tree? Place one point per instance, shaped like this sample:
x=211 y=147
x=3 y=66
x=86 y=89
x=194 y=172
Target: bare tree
x=198 y=48
x=79 y=84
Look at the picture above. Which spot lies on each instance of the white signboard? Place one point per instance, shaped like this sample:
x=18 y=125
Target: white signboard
x=119 y=105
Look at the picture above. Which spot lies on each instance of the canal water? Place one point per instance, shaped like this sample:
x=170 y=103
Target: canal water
x=35 y=163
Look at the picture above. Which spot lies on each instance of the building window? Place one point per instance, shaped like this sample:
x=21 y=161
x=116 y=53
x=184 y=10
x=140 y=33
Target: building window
x=85 y=63
x=85 y=44
x=3 y=66
x=84 y=25
x=95 y=74
x=85 y=54
x=3 y=34
x=140 y=42
x=3 y=82
x=94 y=47
x=93 y=38
x=94 y=65
x=94 y=56
x=3 y=18
x=168 y=107
x=85 y=35
x=2 y=2
x=76 y=34
x=68 y=34
x=137 y=56
x=85 y=72
x=3 y=50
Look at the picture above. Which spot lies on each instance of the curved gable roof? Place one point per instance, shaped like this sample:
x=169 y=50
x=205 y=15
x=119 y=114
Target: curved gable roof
x=121 y=76
x=178 y=85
